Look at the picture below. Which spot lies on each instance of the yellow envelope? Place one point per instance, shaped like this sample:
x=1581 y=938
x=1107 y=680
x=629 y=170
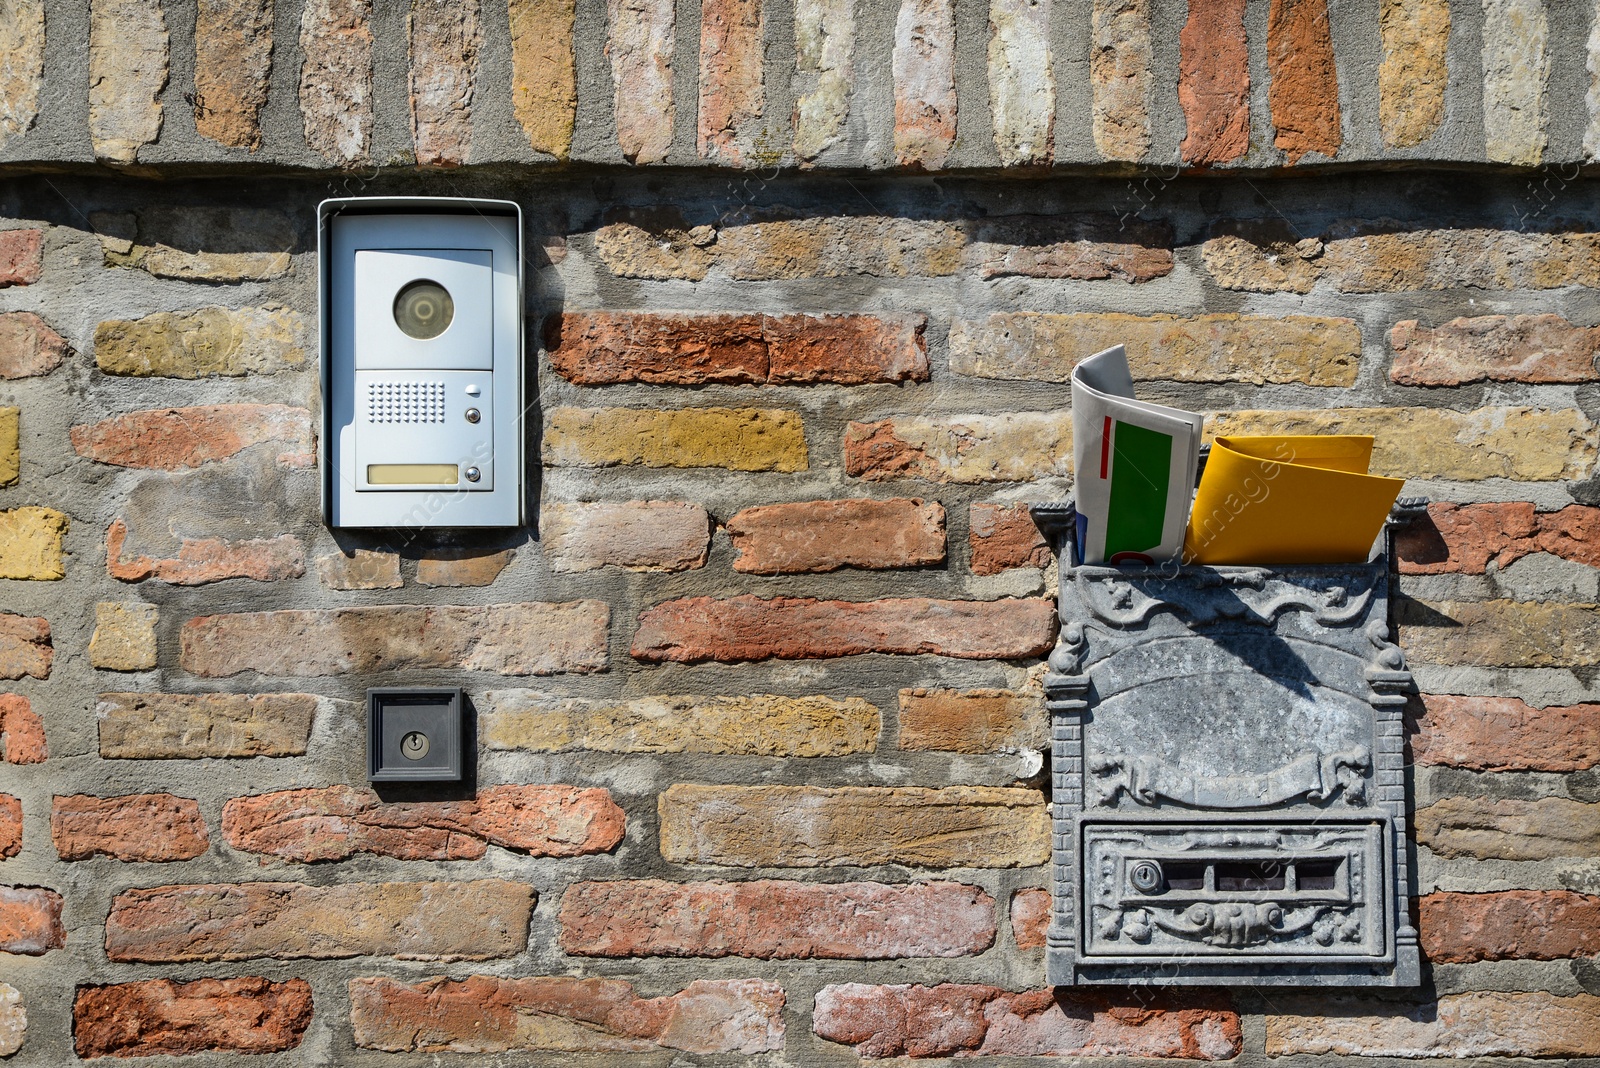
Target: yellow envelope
x=1290 y=499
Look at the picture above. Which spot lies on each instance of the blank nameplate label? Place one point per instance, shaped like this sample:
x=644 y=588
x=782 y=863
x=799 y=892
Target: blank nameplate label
x=412 y=474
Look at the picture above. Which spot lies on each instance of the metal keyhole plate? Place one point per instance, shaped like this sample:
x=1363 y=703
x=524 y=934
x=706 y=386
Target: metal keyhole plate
x=1145 y=876
x=414 y=746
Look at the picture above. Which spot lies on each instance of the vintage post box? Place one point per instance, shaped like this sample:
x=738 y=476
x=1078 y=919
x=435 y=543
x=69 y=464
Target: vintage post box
x=1228 y=775
x=421 y=305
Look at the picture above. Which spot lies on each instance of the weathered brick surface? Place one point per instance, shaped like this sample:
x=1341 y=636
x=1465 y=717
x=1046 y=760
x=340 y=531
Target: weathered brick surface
x=30 y=921
x=1501 y=633
x=1303 y=87
x=10 y=446
x=21 y=78
x=1206 y=348
x=31 y=543
x=21 y=257
x=749 y=724
x=1516 y=67
x=1466 y=538
x=600 y=348
x=513 y=639
x=169 y=439
x=336 y=100
x=1022 y=84
x=13 y=1011
x=637 y=535
x=462 y=567
x=21 y=730
x=1509 y=925
x=813 y=826
x=1030 y=918
x=544 y=92
x=128 y=55
x=157 y=1017
x=167 y=726
x=208 y=341
x=10 y=826
x=789 y=628
x=739 y=439
x=144 y=827
x=445 y=921
x=335 y=822
x=1509 y=829
x=641 y=36
x=1500 y=348
x=208 y=245
x=772 y=919
x=972 y=721
x=484 y=1014
x=1121 y=74
x=1504 y=734
x=362 y=569
x=28 y=346
x=1003 y=536
x=1214 y=83
x=1415 y=72
x=203 y=560
x=232 y=61
x=124 y=637
x=965 y=1020
x=824 y=45
x=25 y=648
x=1476 y=1024
x=812 y=536
x=445 y=40
x=732 y=93
x=924 y=70
x=1088 y=247
x=1012 y=447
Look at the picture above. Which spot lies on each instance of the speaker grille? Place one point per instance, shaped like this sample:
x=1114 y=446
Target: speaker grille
x=405 y=402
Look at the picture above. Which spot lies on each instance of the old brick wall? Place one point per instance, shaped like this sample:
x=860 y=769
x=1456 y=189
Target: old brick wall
x=760 y=740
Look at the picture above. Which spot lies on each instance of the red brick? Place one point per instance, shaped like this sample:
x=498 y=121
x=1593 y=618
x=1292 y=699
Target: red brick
x=772 y=919
x=170 y=439
x=732 y=94
x=445 y=40
x=21 y=257
x=25 y=648
x=956 y=1020
x=1030 y=918
x=1004 y=536
x=845 y=349
x=637 y=535
x=28 y=347
x=1496 y=348
x=812 y=536
x=1303 y=88
x=1088 y=246
x=1466 y=538
x=972 y=721
x=1214 y=83
x=10 y=826
x=513 y=639
x=232 y=65
x=21 y=730
x=159 y=1016
x=1509 y=925
x=336 y=822
x=1504 y=734
x=924 y=68
x=462 y=567
x=203 y=560
x=435 y=920
x=147 y=827
x=696 y=629
x=485 y=1014
x=30 y=921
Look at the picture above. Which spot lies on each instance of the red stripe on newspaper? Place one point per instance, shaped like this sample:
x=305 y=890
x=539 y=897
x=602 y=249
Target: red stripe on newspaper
x=1105 y=449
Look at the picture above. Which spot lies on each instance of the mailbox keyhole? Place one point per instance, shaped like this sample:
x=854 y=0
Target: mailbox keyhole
x=414 y=746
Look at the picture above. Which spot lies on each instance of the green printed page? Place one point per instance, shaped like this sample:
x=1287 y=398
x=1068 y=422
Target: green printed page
x=1141 y=471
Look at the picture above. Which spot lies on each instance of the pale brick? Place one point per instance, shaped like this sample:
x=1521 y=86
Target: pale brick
x=31 y=543
x=28 y=346
x=1214 y=83
x=753 y=725
x=972 y=721
x=1467 y=538
x=1022 y=82
x=161 y=1017
x=655 y=243
x=738 y=439
x=1509 y=829
x=13 y=1012
x=1257 y=349
x=203 y=560
x=637 y=535
x=732 y=92
x=10 y=826
x=1530 y=444
x=1516 y=66
x=208 y=341
x=337 y=822
x=1474 y=1024
x=128 y=55
x=1499 y=348
x=10 y=446
x=180 y=726
x=336 y=101
x=814 y=536
x=1121 y=64
x=445 y=37
x=1261 y=256
x=824 y=45
x=924 y=68
x=1509 y=925
x=1030 y=918
x=21 y=257
x=1415 y=70
x=812 y=826
x=124 y=637
x=513 y=639
x=1501 y=633
x=967 y=1020
x=1004 y=536
x=1591 y=133
x=1505 y=734
x=232 y=63
x=462 y=567
x=544 y=91
x=25 y=648
x=443 y=921
x=641 y=37
x=1087 y=246
x=360 y=569
x=21 y=730
x=1013 y=447
x=748 y=627
x=486 y=1014
x=21 y=73
x=771 y=919
x=30 y=921
x=169 y=439
x=143 y=827
x=1303 y=86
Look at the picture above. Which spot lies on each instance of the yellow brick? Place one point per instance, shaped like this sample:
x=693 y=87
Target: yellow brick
x=1501 y=633
x=10 y=446
x=972 y=721
x=124 y=637
x=30 y=543
x=740 y=439
x=206 y=341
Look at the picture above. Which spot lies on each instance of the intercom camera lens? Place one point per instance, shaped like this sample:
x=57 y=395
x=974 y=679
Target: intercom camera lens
x=423 y=309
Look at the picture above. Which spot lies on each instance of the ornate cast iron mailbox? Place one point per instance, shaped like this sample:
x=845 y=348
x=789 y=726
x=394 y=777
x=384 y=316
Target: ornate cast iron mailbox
x=1229 y=793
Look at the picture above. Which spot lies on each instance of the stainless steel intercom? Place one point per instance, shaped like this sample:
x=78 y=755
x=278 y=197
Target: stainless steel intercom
x=421 y=362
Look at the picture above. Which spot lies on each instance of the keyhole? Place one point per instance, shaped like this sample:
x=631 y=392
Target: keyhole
x=414 y=746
